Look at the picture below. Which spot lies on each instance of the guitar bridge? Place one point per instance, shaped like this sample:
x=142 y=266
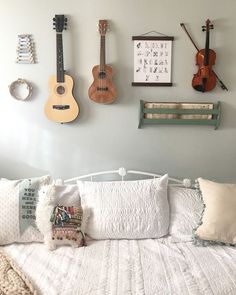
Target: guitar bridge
x=61 y=107
x=102 y=88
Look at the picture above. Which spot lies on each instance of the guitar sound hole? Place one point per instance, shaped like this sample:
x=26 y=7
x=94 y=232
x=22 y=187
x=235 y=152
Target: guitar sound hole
x=101 y=75
x=60 y=90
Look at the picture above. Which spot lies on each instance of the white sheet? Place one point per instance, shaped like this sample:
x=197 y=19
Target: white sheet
x=134 y=267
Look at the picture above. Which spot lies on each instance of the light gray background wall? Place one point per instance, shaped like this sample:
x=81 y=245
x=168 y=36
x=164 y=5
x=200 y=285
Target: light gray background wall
x=106 y=136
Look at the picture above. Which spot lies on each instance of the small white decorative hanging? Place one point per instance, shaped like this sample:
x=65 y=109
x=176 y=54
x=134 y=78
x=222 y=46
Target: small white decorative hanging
x=25 y=50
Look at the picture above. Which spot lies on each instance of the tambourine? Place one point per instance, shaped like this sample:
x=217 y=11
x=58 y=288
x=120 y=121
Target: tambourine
x=15 y=87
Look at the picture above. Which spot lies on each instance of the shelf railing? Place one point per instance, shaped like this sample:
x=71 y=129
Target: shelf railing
x=176 y=115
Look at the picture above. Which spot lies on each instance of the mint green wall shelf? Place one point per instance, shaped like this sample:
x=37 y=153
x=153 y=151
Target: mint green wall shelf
x=214 y=121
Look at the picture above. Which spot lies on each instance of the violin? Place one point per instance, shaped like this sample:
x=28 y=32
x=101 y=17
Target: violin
x=205 y=79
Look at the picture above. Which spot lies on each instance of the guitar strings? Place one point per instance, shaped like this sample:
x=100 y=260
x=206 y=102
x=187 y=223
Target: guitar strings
x=103 y=63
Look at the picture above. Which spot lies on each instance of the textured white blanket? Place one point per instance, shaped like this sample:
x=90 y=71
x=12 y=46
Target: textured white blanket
x=144 y=267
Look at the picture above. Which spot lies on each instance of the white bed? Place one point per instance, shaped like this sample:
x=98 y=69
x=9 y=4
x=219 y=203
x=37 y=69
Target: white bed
x=165 y=266
x=132 y=267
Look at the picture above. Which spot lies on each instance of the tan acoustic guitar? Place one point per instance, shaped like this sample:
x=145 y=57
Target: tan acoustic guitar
x=61 y=105
x=102 y=89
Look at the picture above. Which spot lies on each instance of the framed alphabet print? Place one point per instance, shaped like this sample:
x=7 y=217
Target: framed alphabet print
x=152 y=60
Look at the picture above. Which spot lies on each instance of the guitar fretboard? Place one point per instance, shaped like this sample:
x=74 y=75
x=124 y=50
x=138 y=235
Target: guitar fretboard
x=60 y=62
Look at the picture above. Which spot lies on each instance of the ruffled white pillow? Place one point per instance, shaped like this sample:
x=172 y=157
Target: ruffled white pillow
x=186 y=208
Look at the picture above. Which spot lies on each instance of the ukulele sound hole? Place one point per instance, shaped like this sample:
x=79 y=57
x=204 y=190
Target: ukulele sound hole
x=60 y=90
x=102 y=88
x=101 y=75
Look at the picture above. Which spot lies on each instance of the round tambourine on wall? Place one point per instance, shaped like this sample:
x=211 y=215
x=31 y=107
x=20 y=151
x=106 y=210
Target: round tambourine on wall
x=21 y=89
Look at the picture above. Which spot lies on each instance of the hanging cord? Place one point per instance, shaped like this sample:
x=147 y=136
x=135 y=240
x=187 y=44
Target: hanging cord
x=158 y=33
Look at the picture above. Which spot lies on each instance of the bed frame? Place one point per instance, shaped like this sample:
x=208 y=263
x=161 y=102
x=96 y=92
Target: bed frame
x=122 y=172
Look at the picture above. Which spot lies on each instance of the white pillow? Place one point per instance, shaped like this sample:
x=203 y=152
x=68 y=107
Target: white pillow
x=18 y=200
x=126 y=210
x=186 y=207
x=67 y=196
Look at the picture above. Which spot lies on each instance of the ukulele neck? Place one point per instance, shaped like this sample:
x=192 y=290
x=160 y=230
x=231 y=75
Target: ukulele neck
x=60 y=61
x=102 y=54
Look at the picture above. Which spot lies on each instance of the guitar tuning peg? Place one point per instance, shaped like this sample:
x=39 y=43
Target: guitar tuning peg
x=54 y=19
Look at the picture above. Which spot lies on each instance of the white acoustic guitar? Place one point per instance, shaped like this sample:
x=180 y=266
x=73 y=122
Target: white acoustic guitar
x=61 y=105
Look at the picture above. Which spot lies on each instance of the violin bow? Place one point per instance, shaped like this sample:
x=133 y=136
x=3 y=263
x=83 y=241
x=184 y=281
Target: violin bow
x=222 y=85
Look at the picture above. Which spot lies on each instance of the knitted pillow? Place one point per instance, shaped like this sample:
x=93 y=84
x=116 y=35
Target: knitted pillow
x=219 y=217
x=18 y=200
x=126 y=209
x=60 y=217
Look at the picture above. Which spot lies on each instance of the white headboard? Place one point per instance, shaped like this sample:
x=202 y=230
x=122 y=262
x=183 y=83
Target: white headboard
x=123 y=172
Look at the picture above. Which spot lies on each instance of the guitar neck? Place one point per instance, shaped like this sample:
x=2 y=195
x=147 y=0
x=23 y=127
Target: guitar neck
x=102 y=54
x=60 y=60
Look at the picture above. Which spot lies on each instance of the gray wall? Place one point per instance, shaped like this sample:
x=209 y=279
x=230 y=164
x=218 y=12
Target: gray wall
x=106 y=136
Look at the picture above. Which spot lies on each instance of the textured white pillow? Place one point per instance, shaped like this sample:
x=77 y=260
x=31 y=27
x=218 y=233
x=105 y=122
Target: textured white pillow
x=10 y=210
x=51 y=196
x=126 y=210
x=186 y=208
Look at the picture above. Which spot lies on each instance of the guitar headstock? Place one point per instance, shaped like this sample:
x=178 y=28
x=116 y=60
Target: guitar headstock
x=59 y=23
x=209 y=26
x=103 y=27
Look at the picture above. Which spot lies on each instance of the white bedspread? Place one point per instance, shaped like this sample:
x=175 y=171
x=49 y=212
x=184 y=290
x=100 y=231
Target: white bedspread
x=133 y=267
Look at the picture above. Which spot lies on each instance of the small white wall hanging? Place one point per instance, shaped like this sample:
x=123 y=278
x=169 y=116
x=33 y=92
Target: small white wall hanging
x=25 y=50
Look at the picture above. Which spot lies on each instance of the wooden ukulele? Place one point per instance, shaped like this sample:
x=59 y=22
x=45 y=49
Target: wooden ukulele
x=102 y=89
x=61 y=106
